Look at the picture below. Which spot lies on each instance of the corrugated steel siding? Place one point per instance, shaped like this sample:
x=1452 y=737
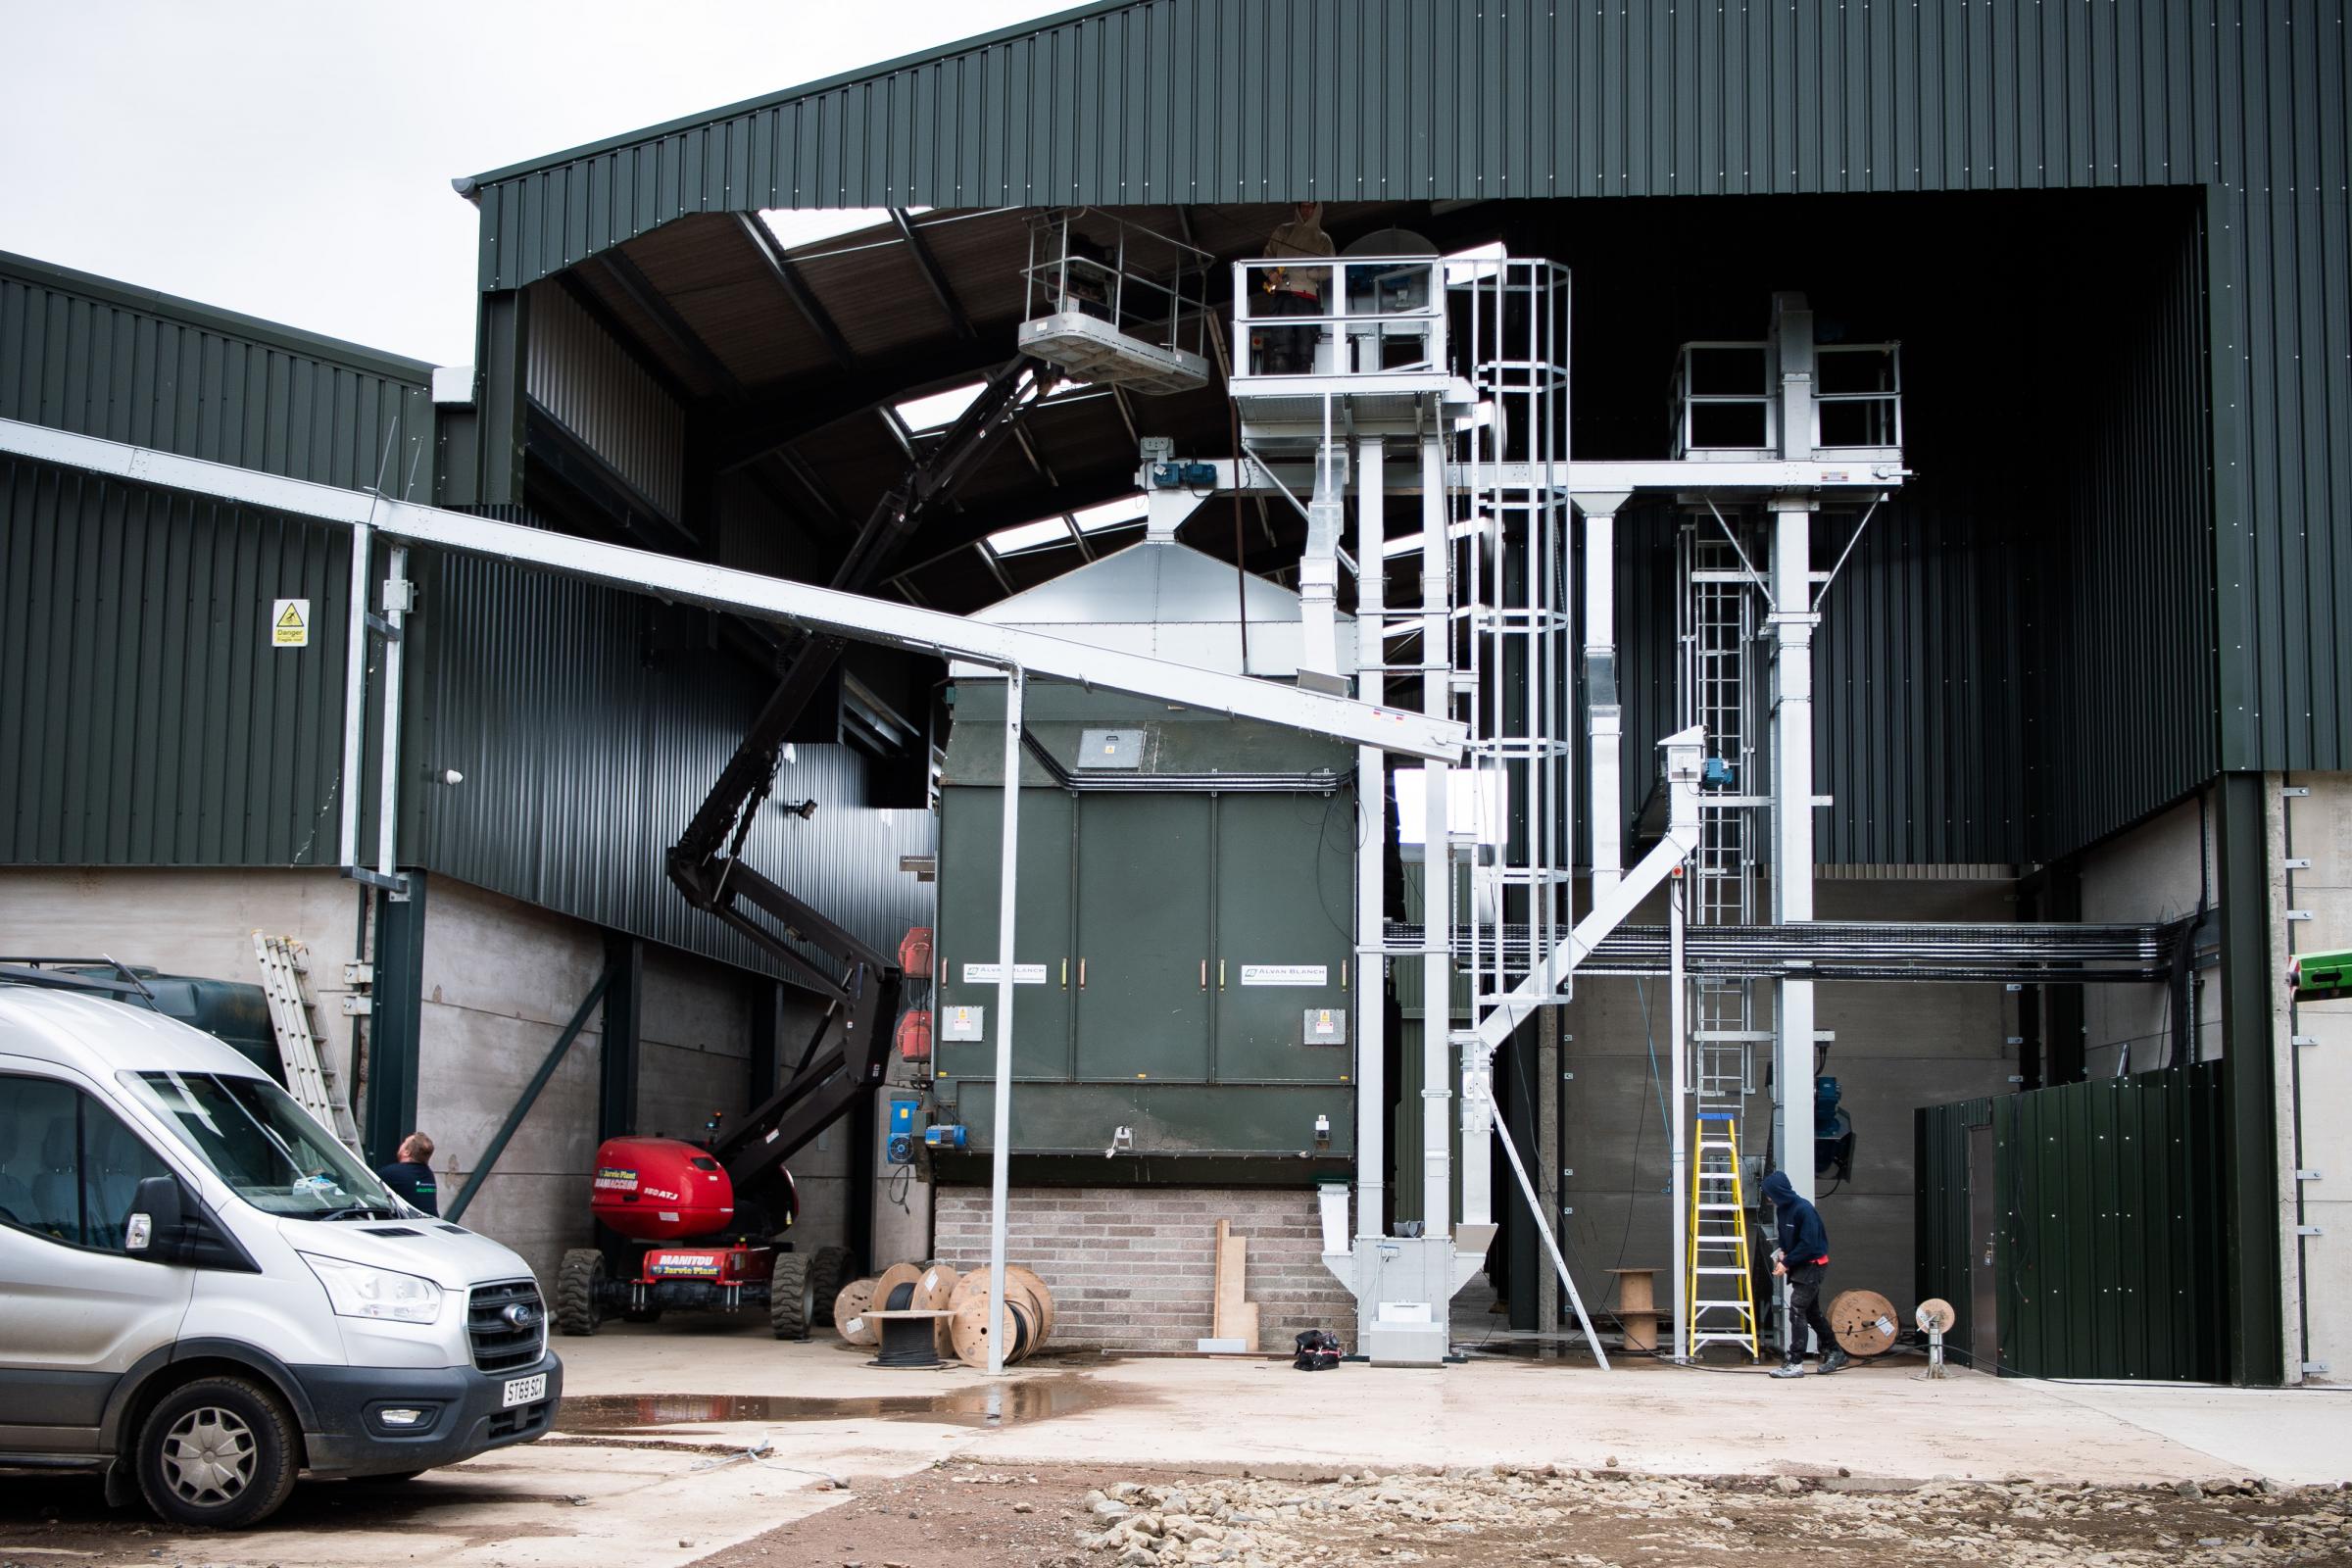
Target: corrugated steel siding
x=2121 y=658
x=1918 y=707
x=1238 y=101
x=1940 y=1236
x=81 y=354
x=148 y=721
x=2111 y=1257
x=584 y=755
x=595 y=389
x=2111 y=1247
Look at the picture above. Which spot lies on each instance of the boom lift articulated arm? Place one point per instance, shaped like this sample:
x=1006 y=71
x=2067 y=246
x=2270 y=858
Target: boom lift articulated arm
x=846 y=1057
x=705 y=863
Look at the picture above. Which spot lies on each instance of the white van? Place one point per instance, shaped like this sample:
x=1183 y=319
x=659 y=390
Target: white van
x=203 y=1293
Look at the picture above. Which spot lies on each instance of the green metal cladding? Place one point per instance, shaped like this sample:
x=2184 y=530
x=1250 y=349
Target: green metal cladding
x=147 y=720
x=1177 y=936
x=2109 y=1229
x=1156 y=101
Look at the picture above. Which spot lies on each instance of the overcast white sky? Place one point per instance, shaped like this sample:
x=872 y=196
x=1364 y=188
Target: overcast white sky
x=292 y=160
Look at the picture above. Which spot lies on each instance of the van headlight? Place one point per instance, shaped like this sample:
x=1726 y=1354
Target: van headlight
x=357 y=1291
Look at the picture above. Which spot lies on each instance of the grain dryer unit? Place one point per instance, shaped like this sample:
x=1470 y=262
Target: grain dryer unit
x=1182 y=908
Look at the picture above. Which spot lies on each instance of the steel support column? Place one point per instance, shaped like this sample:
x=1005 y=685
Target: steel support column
x=1793 y=621
x=617 y=1073
x=1678 y=1052
x=1602 y=710
x=396 y=1024
x=1371 y=859
x=1437 y=865
x=1008 y=867
x=2250 y=1180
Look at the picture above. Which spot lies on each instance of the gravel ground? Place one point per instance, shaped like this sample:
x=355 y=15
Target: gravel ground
x=972 y=1516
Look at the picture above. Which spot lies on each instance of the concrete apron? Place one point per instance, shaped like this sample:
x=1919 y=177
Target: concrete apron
x=672 y=1493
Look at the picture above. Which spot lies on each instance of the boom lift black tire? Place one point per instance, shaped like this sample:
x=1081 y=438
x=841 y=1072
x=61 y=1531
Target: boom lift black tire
x=218 y=1453
x=788 y=1296
x=578 y=1283
x=829 y=1269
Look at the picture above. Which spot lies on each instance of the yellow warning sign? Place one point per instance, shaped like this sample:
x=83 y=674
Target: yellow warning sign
x=290 y=623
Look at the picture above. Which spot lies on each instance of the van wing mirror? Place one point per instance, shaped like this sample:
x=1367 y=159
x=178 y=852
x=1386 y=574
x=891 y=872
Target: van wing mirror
x=157 y=1226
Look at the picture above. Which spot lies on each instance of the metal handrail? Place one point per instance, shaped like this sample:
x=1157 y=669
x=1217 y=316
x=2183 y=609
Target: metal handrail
x=1167 y=277
x=1413 y=288
x=1887 y=427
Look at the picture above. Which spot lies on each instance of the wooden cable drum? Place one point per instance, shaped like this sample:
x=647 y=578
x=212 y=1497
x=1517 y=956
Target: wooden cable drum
x=1024 y=1318
x=849 y=1308
x=1863 y=1321
x=891 y=1279
x=932 y=1292
x=1021 y=1275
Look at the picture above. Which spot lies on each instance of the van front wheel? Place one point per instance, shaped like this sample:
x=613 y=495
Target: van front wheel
x=218 y=1454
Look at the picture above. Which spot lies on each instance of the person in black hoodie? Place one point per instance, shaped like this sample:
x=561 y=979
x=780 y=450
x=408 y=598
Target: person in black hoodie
x=1804 y=1257
x=412 y=1175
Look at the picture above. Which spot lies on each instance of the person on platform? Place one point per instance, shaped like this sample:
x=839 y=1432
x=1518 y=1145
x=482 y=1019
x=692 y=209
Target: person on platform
x=1294 y=290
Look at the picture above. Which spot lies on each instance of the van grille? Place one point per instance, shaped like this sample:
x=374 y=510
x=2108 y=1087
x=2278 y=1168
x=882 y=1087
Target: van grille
x=500 y=1345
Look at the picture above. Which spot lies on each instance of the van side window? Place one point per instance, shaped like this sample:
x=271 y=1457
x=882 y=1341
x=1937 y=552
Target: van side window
x=69 y=1167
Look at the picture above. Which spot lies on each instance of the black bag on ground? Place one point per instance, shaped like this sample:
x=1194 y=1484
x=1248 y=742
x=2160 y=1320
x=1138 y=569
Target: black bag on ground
x=1318 y=1351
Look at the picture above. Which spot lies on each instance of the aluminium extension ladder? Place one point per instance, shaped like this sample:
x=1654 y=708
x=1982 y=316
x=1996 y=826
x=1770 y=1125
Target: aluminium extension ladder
x=1720 y=1285
x=286 y=967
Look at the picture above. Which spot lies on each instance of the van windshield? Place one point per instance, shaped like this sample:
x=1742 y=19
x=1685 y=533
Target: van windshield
x=264 y=1146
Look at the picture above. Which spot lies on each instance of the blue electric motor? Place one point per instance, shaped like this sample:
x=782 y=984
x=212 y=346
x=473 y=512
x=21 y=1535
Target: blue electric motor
x=1833 y=1132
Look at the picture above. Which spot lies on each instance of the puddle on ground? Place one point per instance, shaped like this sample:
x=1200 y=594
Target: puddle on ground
x=998 y=1406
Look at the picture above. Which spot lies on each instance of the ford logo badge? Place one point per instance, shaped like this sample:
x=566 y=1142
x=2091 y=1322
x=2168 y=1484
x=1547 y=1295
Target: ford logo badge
x=521 y=1316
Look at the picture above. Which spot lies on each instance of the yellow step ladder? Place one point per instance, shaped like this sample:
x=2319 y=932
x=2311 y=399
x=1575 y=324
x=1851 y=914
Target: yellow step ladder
x=1721 y=1286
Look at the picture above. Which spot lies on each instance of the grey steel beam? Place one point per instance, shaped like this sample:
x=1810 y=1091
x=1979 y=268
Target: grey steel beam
x=684 y=338
x=933 y=273
x=777 y=417
x=529 y=1097
x=959 y=530
x=1854 y=481
x=853 y=616
x=796 y=288
x=828 y=505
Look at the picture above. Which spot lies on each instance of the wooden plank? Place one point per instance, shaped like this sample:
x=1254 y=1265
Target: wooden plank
x=1231 y=1256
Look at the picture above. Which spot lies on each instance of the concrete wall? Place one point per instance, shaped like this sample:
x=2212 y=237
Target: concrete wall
x=1134 y=1268
x=1898 y=1047
x=2151 y=872
x=196 y=922
x=2314 y=1079
x=501 y=980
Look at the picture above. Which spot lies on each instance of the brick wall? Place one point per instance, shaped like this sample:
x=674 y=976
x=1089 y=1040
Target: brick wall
x=1132 y=1268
